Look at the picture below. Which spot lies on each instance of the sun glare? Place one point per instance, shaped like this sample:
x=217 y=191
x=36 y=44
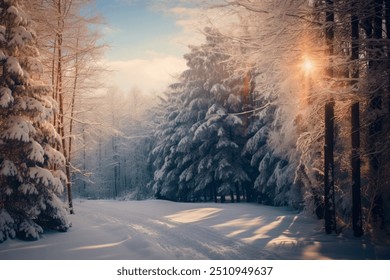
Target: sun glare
x=308 y=65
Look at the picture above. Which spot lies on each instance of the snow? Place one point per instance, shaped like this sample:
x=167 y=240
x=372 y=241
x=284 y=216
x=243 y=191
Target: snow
x=33 y=104
x=49 y=129
x=30 y=229
x=8 y=168
x=156 y=230
x=20 y=35
x=36 y=152
x=43 y=176
x=55 y=157
x=6 y=223
x=18 y=129
x=14 y=11
x=5 y=95
x=28 y=189
x=13 y=66
x=2 y=39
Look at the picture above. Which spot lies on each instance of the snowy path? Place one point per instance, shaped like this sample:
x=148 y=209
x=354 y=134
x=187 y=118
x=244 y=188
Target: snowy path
x=167 y=230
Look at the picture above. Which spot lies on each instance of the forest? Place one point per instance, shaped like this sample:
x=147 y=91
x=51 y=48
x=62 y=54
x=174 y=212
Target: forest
x=286 y=106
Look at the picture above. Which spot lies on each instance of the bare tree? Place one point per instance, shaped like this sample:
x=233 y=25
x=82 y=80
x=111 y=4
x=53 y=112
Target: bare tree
x=72 y=64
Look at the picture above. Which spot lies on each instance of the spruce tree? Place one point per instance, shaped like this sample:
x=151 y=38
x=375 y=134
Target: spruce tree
x=198 y=149
x=30 y=175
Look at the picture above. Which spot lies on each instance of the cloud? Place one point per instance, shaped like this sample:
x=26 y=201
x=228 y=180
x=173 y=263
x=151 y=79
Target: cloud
x=107 y=30
x=153 y=69
x=151 y=75
x=189 y=21
x=192 y=21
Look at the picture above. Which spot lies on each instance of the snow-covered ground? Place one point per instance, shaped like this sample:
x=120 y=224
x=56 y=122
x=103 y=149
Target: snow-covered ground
x=166 y=230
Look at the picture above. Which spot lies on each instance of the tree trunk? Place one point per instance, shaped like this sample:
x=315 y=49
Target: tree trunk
x=85 y=160
x=60 y=94
x=73 y=101
x=357 y=223
x=238 y=194
x=376 y=106
x=231 y=197
x=330 y=212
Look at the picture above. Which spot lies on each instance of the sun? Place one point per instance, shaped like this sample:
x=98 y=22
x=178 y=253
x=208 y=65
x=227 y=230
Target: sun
x=308 y=65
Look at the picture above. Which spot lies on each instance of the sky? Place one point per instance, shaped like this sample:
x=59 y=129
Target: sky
x=147 y=41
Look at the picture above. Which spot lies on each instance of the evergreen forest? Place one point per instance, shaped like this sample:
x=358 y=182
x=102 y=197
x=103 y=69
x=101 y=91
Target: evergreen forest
x=287 y=103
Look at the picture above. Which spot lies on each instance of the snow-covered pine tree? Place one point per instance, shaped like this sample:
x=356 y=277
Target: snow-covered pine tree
x=274 y=170
x=30 y=178
x=198 y=149
x=171 y=129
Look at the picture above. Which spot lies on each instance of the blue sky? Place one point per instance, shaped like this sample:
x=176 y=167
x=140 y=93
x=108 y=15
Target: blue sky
x=147 y=42
x=136 y=27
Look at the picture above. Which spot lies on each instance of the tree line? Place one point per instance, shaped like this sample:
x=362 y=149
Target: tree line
x=290 y=107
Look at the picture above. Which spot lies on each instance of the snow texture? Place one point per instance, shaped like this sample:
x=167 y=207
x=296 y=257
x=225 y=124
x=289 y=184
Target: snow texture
x=20 y=36
x=55 y=157
x=42 y=176
x=18 y=129
x=155 y=230
x=2 y=39
x=5 y=95
x=28 y=230
x=13 y=66
x=2 y=55
x=6 y=223
x=8 y=168
x=36 y=153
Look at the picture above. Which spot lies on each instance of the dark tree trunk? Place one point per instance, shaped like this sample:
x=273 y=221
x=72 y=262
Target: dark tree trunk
x=376 y=107
x=355 y=133
x=232 y=197
x=238 y=194
x=357 y=223
x=330 y=213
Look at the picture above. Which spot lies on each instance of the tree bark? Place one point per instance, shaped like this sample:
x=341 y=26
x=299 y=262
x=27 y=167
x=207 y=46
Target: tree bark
x=330 y=212
x=357 y=223
x=375 y=107
x=60 y=95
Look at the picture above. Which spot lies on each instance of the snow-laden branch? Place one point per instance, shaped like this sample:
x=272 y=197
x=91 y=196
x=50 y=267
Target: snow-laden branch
x=252 y=111
x=248 y=7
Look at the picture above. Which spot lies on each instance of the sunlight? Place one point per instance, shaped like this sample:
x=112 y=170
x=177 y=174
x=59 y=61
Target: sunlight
x=168 y=225
x=264 y=231
x=308 y=66
x=194 y=215
x=241 y=223
x=236 y=232
x=143 y=230
x=312 y=252
x=21 y=247
x=100 y=246
x=284 y=242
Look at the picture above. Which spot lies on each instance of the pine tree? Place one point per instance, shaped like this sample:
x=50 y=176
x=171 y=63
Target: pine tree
x=198 y=149
x=30 y=178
